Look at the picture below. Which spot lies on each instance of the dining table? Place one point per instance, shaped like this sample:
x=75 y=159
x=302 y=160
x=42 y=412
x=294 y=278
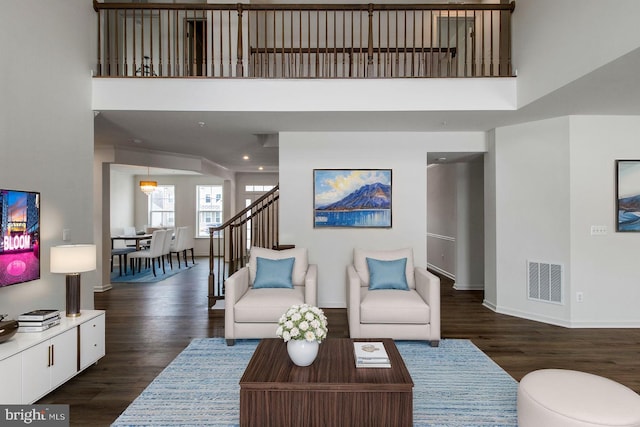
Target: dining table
x=137 y=238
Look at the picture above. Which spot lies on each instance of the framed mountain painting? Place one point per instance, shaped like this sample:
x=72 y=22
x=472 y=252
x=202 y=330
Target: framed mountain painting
x=352 y=198
x=628 y=195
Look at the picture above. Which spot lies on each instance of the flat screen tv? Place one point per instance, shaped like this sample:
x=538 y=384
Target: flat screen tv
x=19 y=236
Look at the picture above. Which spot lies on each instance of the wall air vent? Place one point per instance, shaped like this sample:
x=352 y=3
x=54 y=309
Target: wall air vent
x=546 y=281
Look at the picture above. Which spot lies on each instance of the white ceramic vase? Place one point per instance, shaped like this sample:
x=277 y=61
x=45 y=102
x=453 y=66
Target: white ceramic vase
x=302 y=352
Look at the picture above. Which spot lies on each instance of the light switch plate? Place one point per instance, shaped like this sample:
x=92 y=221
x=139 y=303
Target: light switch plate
x=598 y=230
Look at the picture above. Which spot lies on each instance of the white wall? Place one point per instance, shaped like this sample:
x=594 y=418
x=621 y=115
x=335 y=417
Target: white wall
x=604 y=268
x=554 y=180
x=122 y=186
x=482 y=94
x=246 y=178
x=102 y=213
x=490 y=224
x=533 y=219
x=555 y=42
x=469 y=222
x=441 y=218
x=46 y=132
x=403 y=152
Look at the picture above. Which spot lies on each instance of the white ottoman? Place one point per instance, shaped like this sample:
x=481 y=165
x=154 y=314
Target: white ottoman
x=564 y=398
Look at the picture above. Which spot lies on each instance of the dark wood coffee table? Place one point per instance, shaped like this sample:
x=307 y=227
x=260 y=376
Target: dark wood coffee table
x=331 y=392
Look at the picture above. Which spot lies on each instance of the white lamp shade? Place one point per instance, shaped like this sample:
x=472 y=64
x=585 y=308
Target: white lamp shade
x=73 y=258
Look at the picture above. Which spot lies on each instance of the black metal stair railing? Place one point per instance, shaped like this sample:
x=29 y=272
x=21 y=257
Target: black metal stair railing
x=229 y=243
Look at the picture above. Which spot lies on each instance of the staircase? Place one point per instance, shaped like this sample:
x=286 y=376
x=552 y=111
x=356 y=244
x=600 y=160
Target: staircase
x=229 y=243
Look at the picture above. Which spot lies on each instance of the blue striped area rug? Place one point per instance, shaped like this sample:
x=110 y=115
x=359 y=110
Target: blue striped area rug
x=455 y=385
x=146 y=274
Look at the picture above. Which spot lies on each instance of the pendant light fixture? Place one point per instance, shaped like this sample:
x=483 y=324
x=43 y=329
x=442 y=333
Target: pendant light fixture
x=148 y=186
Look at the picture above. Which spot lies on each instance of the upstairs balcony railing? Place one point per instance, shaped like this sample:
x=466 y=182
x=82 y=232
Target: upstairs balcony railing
x=304 y=40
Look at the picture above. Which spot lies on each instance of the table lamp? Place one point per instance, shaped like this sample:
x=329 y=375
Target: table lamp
x=73 y=260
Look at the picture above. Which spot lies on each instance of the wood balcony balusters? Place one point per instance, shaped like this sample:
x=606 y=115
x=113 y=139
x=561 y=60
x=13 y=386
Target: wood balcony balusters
x=304 y=40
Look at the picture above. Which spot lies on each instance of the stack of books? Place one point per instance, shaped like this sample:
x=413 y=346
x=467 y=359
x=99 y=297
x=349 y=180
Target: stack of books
x=38 y=320
x=371 y=355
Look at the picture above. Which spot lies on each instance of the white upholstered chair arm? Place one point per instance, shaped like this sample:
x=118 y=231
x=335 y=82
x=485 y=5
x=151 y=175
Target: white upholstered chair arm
x=311 y=285
x=353 y=301
x=235 y=287
x=428 y=287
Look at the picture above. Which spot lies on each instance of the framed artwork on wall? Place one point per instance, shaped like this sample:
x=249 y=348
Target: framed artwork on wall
x=628 y=195
x=359 y=198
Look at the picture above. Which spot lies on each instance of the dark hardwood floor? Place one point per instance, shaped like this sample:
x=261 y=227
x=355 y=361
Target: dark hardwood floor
x=149 y=324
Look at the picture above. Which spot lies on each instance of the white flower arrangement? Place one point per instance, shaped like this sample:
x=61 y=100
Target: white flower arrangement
x=302 y=322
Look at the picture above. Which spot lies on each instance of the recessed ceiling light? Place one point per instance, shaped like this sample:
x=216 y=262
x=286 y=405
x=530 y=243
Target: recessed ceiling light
x=260 y=168
x=245 y=157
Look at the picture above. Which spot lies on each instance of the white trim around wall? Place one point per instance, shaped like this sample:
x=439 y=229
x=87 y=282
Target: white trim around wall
x=560 y=322
x=102 y=288
x=468 y=287
x=526 y=315
x=431 y=266
x=441 y=237
x=457 y=286
x=441 y=271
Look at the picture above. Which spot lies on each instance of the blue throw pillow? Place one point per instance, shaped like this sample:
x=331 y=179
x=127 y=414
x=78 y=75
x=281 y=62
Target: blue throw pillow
x=387 y=274
x=273 y=273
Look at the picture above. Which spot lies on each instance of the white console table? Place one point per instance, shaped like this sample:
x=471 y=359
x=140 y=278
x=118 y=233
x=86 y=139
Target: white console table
x=34 y=363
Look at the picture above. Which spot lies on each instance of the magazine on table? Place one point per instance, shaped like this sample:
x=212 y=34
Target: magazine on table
x=39 y=315
x=371 y=355
x=38 y=328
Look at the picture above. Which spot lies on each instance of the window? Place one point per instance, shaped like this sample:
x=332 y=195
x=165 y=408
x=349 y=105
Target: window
x=258 y=188
x=209 y=206
x=162 y=207
x=252 y=193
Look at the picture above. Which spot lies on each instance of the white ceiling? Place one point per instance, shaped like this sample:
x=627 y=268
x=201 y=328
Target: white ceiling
x=143 y=170
x=226 y=136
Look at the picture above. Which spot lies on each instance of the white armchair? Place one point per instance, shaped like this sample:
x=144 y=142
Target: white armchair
x=252 y=311
x=389 y=311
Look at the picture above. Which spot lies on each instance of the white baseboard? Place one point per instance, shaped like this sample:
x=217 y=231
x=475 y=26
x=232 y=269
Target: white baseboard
x=102 y=288
x=332 y=304
x=561 y=322
x=533 y=316
x=441 y=271
x=219 y=305
x=525 y=315
x=624 y=324
x=468 y=287
x=489 y=305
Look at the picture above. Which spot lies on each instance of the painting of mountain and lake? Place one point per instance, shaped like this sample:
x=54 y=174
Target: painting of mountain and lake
x=628 y=195
x=352 y=198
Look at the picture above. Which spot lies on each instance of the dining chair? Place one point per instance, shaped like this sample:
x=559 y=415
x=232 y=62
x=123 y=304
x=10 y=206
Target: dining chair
x=129 y=231
x=189 y=244
x=166 y=248
x=149 y=255
x=177 y=245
